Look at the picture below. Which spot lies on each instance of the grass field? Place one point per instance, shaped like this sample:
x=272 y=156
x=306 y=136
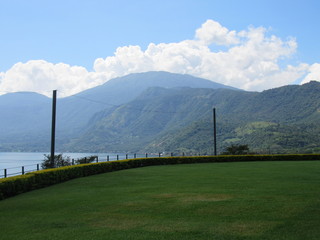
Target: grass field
x=257 y=200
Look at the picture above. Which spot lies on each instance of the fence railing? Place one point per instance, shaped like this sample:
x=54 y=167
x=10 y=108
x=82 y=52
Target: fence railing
x=21 y=170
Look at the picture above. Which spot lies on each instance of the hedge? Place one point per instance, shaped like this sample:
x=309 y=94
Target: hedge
x=19 y=184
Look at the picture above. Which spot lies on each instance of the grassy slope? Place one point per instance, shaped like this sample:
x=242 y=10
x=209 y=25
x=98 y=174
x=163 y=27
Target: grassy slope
x=258 y=200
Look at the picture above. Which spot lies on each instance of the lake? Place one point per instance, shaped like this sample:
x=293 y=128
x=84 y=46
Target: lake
x=13 y=161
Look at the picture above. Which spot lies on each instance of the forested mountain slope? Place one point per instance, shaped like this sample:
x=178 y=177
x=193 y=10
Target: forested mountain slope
x=180 y=119
x=25 y=119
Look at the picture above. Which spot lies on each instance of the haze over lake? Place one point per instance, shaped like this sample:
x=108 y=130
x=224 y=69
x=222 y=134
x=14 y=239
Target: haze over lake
x=13 y=161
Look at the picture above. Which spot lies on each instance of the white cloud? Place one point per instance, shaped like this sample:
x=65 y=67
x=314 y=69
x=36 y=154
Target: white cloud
x=251 y=63
x=212 y=32
x=250 y=59
x=43 y=77
x=313 y=73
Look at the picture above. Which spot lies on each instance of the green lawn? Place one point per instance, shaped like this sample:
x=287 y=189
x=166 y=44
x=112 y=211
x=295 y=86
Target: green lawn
x=257 y=200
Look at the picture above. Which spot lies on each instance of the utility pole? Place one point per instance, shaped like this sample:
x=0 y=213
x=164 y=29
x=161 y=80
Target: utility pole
x=53 y=126
x=214 y=132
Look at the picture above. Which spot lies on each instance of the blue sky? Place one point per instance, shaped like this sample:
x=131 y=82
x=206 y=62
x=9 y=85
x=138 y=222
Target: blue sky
x=64 y=39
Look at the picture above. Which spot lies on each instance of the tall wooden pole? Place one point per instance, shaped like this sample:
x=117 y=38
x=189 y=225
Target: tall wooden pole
x=53 y=126
x=214 y=132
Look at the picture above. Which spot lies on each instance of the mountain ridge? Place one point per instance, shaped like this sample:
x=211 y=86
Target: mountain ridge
x=133 y=113
x=75 y=112
x=172 y=110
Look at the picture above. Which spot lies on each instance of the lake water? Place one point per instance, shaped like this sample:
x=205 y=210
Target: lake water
x=13 y=161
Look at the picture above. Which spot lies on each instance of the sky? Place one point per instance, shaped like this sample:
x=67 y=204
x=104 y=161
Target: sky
x=73 y=45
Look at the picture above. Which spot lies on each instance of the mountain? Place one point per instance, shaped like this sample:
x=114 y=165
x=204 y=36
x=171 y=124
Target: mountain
x=132 y=125
x=281 y=120
x=25 y=118
x=285 y=119
x=15 y=111
x=160 y=111
x=76 y=111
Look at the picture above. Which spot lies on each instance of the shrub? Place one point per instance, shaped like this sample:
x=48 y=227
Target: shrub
x=83 y=160
x=15 y=185
x=237 y=150
x=58 y=161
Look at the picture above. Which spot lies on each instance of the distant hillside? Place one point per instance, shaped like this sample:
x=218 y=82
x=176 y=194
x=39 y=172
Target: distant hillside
x=24 y=121
x=15 y=111
x=25 y=118
x=281 y=120
x=160 y=111
x=290 y=104
x=76 y=111
x=179 y=119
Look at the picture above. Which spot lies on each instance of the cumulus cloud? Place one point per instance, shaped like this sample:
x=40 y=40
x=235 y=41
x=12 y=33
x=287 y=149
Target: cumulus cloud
x=43 y=77
x=251 y=62
x=250 y=59
x=212 y=32
x=313 y=73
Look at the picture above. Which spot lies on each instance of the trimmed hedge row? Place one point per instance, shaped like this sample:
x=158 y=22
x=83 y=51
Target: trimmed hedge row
x=19 y=184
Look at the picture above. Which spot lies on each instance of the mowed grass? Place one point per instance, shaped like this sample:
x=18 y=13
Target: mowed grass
x=257 y=200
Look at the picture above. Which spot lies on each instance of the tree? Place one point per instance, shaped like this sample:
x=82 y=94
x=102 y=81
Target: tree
x=236 y=150
x=59 y=161
x=89 y=159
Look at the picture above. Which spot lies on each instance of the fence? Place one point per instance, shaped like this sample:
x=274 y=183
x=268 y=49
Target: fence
x=21 y=170
x=13 y=171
